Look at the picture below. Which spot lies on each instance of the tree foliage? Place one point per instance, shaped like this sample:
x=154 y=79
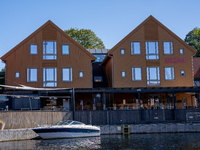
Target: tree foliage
x=2 y=70
x=2 y=76
x=193 y=39
x=86 y=38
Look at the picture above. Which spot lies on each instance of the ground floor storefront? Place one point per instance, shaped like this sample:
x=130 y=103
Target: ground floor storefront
x=105 y=99
x=131 y=99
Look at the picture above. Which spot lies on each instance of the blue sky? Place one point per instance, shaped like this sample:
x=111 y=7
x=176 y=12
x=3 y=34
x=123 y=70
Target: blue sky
x=111 y=20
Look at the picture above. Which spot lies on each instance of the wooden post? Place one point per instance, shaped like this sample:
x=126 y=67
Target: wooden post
x=104 y=101
x=174 y=99
x=73 y=102
x=139 y=99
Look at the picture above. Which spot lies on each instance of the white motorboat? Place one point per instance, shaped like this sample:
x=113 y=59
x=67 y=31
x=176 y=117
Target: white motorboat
x=67 y=129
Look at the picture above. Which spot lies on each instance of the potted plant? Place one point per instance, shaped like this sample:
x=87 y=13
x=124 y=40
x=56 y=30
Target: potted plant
x=2 y=125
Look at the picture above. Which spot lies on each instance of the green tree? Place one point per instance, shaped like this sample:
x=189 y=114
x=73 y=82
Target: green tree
x=86 y=38
x=193 y=39
x=2 y=70
x=2 y=76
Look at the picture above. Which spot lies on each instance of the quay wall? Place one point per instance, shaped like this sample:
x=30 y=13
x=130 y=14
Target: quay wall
x=27 y=134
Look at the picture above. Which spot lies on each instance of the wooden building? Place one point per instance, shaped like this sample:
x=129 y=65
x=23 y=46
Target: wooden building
x=151 y=56
x=151 y=68
x=49 y=58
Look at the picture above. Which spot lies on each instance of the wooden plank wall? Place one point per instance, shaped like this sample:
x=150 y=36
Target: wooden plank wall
x=151 y=31
x=21 y=59
x=30 y=119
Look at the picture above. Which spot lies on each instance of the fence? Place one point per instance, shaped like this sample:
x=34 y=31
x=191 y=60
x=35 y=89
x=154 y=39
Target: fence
x=31 y=119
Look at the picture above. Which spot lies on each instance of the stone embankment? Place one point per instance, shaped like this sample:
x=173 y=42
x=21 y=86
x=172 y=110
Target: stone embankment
x=26 y=134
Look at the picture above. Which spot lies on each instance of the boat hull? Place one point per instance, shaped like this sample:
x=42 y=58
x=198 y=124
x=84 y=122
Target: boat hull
x=57 y=135
x=52 y=133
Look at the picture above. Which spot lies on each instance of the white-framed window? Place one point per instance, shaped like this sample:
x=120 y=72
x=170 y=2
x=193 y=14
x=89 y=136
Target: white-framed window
x=182 y=73
x=80 y=74
x=49 y=50
x=33 y=49
x=122 y=51
x=65 y=49
x=181 y=51
x=136 y=73
x=152 y=51
x=49 y=77
x=123 y=74
x=67 y=74
x=169 y=73
x=153 y=76
x=135 y=48
x=168 y=48
x=17 y=74
x=31 y=74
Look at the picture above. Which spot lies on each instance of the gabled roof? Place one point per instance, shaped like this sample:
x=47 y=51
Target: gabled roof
x=49 y=22
x=161 y=25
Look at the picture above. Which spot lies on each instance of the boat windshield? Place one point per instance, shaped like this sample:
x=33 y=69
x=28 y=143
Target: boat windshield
x=77 y=123
x=67 y=122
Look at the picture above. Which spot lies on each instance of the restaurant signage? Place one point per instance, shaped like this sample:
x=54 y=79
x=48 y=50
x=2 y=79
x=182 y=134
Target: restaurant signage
x=175 y=60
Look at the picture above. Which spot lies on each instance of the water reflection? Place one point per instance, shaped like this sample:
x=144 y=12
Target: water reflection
x=162 y=141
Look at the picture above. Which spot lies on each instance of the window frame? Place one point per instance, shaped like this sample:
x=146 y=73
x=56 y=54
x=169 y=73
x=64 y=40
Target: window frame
x=70 y=74
x=172 y=74
x=152 y=54
x=157 y=75
x=132 y=47
x=184 y=73
x=54 y=81
x=36 y=49
x=82 y=74
x=54 y=50
x=122 y=50
x=133 y=73
x=28 y=74
x=123 y=76
x=171 y=48
x=16 y=75
x=62 y=49
x=180 y=51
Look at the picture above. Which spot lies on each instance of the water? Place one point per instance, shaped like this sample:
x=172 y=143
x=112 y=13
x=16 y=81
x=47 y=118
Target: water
x=164 y=141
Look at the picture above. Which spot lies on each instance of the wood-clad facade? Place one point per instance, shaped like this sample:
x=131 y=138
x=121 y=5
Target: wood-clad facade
x=151 y=31
x=19 y=59
x=151 y=68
